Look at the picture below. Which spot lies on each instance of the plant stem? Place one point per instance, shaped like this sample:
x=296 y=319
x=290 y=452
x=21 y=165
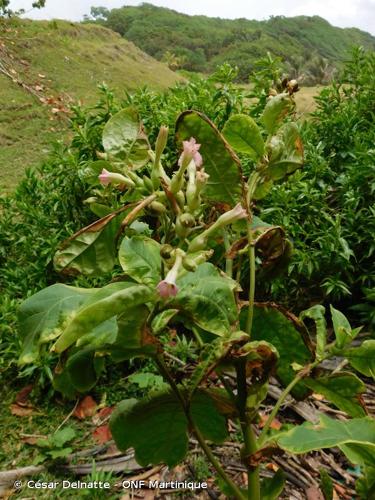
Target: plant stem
x=250 y=442
x=300 y=375
x=211 y=457
x=250 y=311
x=252 y=184
x=228 y=262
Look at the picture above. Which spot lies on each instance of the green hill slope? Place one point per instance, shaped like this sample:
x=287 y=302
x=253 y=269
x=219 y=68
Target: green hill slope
x=201 y=42
x=46 y=65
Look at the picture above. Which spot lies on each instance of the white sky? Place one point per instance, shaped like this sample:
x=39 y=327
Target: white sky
x=344 y=13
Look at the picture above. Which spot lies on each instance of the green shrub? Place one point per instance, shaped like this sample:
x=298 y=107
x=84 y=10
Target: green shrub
x=334 y=250
x=46 y=206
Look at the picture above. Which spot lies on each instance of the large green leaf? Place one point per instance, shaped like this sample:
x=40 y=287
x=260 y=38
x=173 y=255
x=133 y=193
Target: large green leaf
x=206 y=298
x=286 y=333
x=244 y=136
x=134 y=337
x=342 y=389
x=161 y=320
x=92 y=250
x=84 y=368
x=276 y=109
x=356 y=438
x=157 y=427
x=95 y=313
x=140 y=259
x=202 y=311
x=123 y=137
x=43 y=316
x=362 y=358
x=285 y=152
x=208 y=281
x=220 y=161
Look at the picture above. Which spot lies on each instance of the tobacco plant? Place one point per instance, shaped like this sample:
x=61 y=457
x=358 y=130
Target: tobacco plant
x=183 y=249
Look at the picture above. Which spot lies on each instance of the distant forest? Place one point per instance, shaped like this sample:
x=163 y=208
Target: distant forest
x=310 y=47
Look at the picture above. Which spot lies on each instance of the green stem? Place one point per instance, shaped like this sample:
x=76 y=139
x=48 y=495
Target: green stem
x=252 y=184
x=300 y=375
x=228 y=262
x=250 y=442
x=251 y=253
x=211 y=457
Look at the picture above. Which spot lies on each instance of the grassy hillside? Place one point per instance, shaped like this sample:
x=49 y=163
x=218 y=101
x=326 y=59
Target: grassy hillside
x=46 y=65
x=308 y=44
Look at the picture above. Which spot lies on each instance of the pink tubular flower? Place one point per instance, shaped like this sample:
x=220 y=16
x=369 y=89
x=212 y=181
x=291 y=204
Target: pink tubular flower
x=191 y=152
x=237 y=213
x=106 y=178
x=167 y=287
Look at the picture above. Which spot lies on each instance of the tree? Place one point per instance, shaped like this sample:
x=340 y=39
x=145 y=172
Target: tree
x=99 y=13
x=5 y=10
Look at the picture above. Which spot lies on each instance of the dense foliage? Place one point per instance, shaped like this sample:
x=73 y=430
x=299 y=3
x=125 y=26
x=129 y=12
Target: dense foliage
x=310 y=46
x=175 y=238
x=179 y=255
x=328 y=207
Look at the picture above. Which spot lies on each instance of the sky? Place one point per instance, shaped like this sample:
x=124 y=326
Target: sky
x=343 y=13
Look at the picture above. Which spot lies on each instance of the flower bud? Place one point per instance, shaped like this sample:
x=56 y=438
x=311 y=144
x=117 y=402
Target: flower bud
x=166 y=251
x=148 y=183
x=187 y=220
x=106 y=178
x=161 y=142
x=180 y=229
x=189 y=264
x=157 y=207
x=180 y=198
x=198 y=243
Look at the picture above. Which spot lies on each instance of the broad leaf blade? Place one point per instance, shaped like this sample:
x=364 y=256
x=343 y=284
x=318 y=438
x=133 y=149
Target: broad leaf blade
x=219 y=160
x=285 y=152
x=276 y=109
x=244 y=136
x=342 y=389
x=328 y=433
x=42 y=317
x=90 y=251
x=157 y=427
x=84 y=369
x=287 y=335
x=134 y=338
x=140 y=259
x=92 y=315
x=123 y=137
x=362 y=358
